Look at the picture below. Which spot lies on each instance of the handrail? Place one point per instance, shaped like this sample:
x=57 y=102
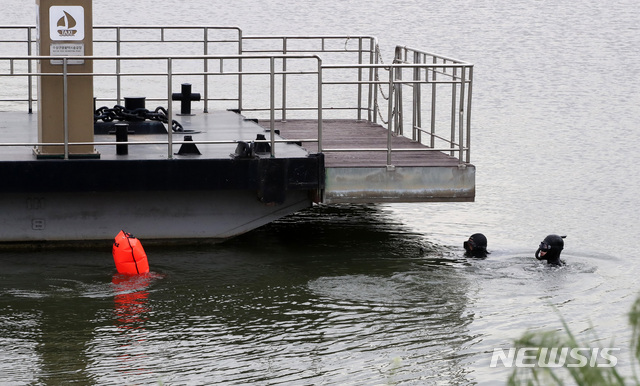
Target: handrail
x=287 y=47
x=444 y=76
x=460 y=112
x=169 y=73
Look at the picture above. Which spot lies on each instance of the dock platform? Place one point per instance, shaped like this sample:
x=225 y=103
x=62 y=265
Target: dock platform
x=319 y=120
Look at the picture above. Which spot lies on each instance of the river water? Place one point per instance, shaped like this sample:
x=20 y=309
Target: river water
x=378 y=294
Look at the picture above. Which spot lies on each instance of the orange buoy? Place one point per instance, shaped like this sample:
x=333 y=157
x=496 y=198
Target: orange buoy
x=129 y=255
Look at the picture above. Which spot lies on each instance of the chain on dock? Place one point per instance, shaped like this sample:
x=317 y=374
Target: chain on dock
x=119 y=113
x=385 y=97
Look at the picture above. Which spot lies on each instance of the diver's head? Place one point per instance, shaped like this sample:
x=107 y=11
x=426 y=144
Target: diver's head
x=476 y=245
x=551 y=247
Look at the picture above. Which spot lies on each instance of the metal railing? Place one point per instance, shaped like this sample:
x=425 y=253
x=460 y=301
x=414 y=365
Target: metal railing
x=441 y=72
x=458 y=141
x=124 y=38
x=442 y=114
x=164 y=67
x=362 y=49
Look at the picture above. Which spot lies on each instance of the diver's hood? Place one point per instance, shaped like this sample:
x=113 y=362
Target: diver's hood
x=480 y=240
x=553 y=245
x=477 y=244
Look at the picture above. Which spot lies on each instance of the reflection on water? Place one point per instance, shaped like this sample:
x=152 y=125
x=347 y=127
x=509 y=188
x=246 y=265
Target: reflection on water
x=131 y=314
x=130 y=300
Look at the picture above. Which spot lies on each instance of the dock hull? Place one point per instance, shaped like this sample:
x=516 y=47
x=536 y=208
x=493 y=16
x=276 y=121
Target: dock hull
x=400 y=184
x=90 y=201
x=96 y=217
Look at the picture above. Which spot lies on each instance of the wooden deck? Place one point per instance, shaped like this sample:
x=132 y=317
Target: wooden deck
x=343 y=134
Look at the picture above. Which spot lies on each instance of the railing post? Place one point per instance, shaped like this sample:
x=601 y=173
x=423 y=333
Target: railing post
x=417 y=117
x=390 y=112
x=272 y=98
x=284 y=80
x=65 y=108
x=240 y=77
x=359 y=78
x=398 y=87
x=372 y=86
x=319 y=104
x=118 y=76
x=468 y=155
x=206 y=70
x=375 y=91
x=170 y=109
x=454 y=88
x=29 y=67
x=461 y=116
x=398 y=102
x=433 y=102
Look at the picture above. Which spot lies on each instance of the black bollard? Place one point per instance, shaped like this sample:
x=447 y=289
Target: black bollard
x=134 y=103
x=185 y=97
x=122 y=135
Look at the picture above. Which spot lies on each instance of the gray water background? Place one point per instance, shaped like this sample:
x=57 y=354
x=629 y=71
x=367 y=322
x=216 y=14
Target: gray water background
x=377 y=294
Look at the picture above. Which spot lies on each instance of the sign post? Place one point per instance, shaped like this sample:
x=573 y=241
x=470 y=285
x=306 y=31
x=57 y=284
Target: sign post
x=65 y=99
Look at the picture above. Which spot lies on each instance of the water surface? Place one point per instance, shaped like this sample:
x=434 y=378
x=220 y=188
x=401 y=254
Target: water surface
x=377 y=294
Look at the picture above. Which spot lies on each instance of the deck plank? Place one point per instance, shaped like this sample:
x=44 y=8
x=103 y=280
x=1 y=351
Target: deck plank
x=344 y=133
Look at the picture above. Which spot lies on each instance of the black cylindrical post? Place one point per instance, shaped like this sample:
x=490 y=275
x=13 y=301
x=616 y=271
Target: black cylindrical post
x=122 y=135
x=185 y=105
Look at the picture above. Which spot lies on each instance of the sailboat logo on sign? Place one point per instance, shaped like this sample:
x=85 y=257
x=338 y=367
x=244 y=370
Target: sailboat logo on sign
x=66 y=23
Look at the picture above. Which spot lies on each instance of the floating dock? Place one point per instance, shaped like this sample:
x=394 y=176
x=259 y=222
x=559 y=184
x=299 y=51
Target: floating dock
x=265 y=127
x=370 y=175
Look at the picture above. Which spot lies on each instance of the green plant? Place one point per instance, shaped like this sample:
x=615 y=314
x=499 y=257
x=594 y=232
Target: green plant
x=573 y=368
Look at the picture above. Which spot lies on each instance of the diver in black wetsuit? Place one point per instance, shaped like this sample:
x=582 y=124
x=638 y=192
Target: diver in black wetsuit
x=550 y=249
x=476 y=246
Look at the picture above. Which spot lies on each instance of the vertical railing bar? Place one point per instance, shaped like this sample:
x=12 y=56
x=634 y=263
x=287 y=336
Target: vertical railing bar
x=454 y=95
x=319 y=104
x=118 y=69
x=399 y=129
x=206 y=70
x=29 y=69
x=170 y=108
x=425 y=68
x=375 y=86
x=461 y=116
x=240 y=77
x=468 y=155
x=390 y=112
x=433 y=102
x=65 y=107
x=371 y=77
x=359 y=79
x=272 y=98
x=416 y=99
x=284 y=80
